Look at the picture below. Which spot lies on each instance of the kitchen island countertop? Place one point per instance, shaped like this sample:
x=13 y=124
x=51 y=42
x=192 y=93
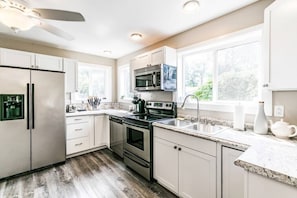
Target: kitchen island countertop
x=265 y=155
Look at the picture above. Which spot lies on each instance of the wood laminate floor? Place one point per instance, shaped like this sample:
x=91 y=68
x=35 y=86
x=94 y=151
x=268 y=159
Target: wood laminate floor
x=97 y=174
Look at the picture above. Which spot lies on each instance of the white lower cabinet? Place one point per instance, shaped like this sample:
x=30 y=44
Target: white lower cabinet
x=79 y=133
x=101 y=130
x=257 y=186
x=184 y=164
x=232 y=175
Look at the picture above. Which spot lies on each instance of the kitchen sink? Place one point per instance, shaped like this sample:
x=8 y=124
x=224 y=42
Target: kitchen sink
x=205 y=128
x=176 y=122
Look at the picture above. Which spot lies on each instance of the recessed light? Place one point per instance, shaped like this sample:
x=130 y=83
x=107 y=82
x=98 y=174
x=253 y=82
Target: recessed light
x=136 y=36
x=107 y=52
x=191 y=5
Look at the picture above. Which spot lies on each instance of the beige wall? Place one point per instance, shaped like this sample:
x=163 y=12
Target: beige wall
x=24 y=45
x=243 y=18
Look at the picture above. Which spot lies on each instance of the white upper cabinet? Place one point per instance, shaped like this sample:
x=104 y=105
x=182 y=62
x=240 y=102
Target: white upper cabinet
x=17 y=58
x=280 y=45
x=163 y=55
x=70 y=68
x=47 y=62
x=30 y=60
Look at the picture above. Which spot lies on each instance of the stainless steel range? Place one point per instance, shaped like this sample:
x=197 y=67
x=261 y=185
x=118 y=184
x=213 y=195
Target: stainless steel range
x=138 y=141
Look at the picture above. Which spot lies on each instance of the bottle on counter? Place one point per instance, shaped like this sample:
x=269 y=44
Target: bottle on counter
x=261 y=123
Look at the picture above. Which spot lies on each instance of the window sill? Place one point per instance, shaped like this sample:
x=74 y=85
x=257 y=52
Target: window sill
x=250 y=108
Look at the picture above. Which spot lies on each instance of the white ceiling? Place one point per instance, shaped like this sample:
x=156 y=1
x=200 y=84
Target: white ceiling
x=110 y=22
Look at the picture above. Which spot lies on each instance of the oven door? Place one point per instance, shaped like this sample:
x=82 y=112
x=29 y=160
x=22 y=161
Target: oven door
x=145 y=81
x=137 y=141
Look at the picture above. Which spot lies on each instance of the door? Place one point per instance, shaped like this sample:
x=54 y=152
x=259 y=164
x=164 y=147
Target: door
x=232 y=176
x=47 y=62
x=70 y=68
x=166 y=164
x=14 y=134
x=48 y=130
x=101 y=133
x=117 y=137
x=197 y=174
x=17 y=58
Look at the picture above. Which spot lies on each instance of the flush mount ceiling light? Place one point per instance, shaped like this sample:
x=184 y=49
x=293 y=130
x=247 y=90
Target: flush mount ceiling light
x=136 y=36
x=191 y=5
x=107 y=52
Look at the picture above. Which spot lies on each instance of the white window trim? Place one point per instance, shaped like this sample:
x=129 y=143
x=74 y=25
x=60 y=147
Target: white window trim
x=251 y=107
x=108 y=86
x=118 y=83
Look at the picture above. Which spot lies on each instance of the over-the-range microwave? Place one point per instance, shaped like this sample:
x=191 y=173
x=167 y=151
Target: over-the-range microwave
x=160 y=77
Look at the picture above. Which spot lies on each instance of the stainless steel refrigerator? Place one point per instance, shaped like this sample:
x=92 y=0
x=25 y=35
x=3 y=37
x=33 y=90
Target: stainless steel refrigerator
x=32 y=119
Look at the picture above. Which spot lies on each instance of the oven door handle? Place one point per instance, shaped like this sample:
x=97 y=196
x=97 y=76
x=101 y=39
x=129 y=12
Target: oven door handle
x=154 y=76
x=133 y=126
x=134 y=159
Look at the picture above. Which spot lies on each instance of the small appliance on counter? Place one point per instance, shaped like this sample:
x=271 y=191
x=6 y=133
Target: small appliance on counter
x=139 y=105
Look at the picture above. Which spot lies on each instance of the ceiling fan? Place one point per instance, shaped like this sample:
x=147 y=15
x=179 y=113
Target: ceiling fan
x=17 y=15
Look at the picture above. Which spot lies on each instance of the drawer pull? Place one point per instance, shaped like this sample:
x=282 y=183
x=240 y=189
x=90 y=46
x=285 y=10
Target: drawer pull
x=78 y=129
x=78 y=144
x=77 y=119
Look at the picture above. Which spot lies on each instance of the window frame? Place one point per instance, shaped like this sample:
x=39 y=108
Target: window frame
x=108 y=84
x=119 y=67
x=214 y=45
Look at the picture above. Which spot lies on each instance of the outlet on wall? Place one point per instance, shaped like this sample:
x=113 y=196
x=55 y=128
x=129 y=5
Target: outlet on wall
x=279 y=110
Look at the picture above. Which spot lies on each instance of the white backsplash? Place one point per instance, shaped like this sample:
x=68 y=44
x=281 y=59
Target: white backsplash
x=156 y=96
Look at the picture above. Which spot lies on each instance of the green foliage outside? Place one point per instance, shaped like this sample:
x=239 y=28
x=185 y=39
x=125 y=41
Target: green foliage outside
x=204 y=93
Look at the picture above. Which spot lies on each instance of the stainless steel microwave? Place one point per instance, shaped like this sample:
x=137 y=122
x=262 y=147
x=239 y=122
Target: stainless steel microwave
x=160 y=77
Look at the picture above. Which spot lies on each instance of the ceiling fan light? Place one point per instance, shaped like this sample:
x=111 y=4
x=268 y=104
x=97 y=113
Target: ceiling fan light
x=191 y=5
x=16 y=19
x=136 y=36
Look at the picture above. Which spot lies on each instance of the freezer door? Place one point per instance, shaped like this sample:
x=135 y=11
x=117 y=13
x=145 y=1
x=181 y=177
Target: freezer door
x=14 y=135
x=48 y=124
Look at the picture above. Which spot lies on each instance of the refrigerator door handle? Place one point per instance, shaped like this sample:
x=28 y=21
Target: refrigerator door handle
x=33 y=107
x=28 y=106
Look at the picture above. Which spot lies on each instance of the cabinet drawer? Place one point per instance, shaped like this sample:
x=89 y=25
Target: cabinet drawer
x=77 y=130
x=77 y=119
x=195 y=143
x=77 y=145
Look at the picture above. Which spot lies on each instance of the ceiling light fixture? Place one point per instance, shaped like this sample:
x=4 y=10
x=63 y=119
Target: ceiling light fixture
x=16 y=19
x=136 y=36
x=107 y=52
x=191 y=5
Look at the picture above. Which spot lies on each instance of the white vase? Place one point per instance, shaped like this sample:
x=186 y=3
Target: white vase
x=261 y=123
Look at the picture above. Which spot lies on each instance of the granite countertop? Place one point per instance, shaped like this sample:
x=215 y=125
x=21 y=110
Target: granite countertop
x=265 y=155
x=116 y=112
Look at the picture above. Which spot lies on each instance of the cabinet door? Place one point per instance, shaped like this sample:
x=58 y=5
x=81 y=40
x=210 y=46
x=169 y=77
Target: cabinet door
x=166 y=164
x=70 y=68
x=157 y=56
x=17 y=58
x=51 y=63
x=280 y=23
x=101 y=133
x=258 y=186
x=197 y=174
x=232 y=176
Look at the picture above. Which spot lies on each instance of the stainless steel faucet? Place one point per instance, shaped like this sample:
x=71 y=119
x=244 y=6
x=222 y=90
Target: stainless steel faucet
x=182 y=106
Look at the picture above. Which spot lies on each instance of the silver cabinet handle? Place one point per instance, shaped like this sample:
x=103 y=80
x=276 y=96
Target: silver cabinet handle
x=78 y=144
x=78 y=129
x=77 y=119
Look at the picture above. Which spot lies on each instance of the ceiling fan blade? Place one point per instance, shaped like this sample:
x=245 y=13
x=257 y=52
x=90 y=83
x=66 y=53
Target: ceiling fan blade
x=56 y=31
x=61 y=15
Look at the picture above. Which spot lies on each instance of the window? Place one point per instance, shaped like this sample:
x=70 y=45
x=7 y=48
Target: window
x=124 y=83
x=222 y=71
x=94 y=80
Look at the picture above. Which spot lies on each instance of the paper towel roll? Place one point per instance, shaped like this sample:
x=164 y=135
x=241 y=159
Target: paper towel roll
x=238 y=117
